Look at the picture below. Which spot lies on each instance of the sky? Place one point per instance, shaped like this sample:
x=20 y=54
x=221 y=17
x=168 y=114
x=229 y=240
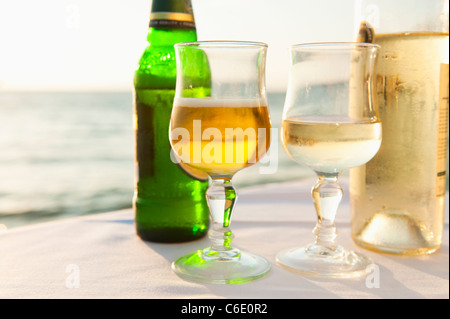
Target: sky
x=70 y=45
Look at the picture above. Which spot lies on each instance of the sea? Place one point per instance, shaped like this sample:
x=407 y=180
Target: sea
x=67 y=154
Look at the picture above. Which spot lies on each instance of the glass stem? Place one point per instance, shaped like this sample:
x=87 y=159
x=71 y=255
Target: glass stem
x=221 y=197
x=327 y=195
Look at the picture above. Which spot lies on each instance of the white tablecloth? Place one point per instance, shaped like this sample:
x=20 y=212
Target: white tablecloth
x=100 y=256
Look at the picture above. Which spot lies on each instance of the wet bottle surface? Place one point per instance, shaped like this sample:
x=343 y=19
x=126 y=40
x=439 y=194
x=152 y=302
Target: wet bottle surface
x=398 y=198
x=169 y=202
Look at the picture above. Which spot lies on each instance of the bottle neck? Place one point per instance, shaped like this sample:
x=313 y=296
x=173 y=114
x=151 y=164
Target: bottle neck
x=171 y=22
x=172 y=14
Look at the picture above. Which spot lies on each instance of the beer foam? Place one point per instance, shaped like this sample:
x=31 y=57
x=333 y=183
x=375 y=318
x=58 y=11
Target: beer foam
x=211 y=102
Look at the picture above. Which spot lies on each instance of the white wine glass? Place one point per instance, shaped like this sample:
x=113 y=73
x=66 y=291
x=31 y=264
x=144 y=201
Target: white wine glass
x=329 y=124
x=220 y=124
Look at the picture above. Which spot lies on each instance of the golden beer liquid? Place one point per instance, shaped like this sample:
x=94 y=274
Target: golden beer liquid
x=397 y=199
x=222 y=137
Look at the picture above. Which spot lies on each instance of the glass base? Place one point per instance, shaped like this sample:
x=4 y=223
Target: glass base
x=244 y=268
x=346 y=264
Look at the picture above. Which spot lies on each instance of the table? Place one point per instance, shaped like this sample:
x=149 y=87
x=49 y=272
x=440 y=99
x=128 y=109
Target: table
x=100 y=256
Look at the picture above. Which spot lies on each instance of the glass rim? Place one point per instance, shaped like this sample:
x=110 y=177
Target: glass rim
x=323 y=46
x=222 y=44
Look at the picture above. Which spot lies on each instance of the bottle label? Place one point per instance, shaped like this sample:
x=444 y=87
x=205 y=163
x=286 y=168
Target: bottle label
x=442 y=132
x=172 y=20
x=172 y=14
x=145 y=141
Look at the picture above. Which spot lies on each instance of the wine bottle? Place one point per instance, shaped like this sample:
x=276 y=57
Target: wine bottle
x=398 y=198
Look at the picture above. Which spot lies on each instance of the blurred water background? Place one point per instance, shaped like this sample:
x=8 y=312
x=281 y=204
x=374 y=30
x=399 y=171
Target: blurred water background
x=65 y=154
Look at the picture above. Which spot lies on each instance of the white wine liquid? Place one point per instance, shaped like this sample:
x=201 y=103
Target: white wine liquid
x=330 y=145
x=397 y=199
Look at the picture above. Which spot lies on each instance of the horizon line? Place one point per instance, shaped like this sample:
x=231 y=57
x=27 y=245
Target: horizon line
x=81 y=90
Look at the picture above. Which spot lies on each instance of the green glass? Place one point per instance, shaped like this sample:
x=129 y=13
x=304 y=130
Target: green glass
x=169 y=202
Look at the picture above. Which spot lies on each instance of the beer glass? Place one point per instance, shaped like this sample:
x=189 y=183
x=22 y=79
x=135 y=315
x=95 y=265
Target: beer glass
x=398 y=198
x=330 y=123
x=220 y=124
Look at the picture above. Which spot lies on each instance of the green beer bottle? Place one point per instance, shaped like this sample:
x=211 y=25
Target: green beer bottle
x=169 y=200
